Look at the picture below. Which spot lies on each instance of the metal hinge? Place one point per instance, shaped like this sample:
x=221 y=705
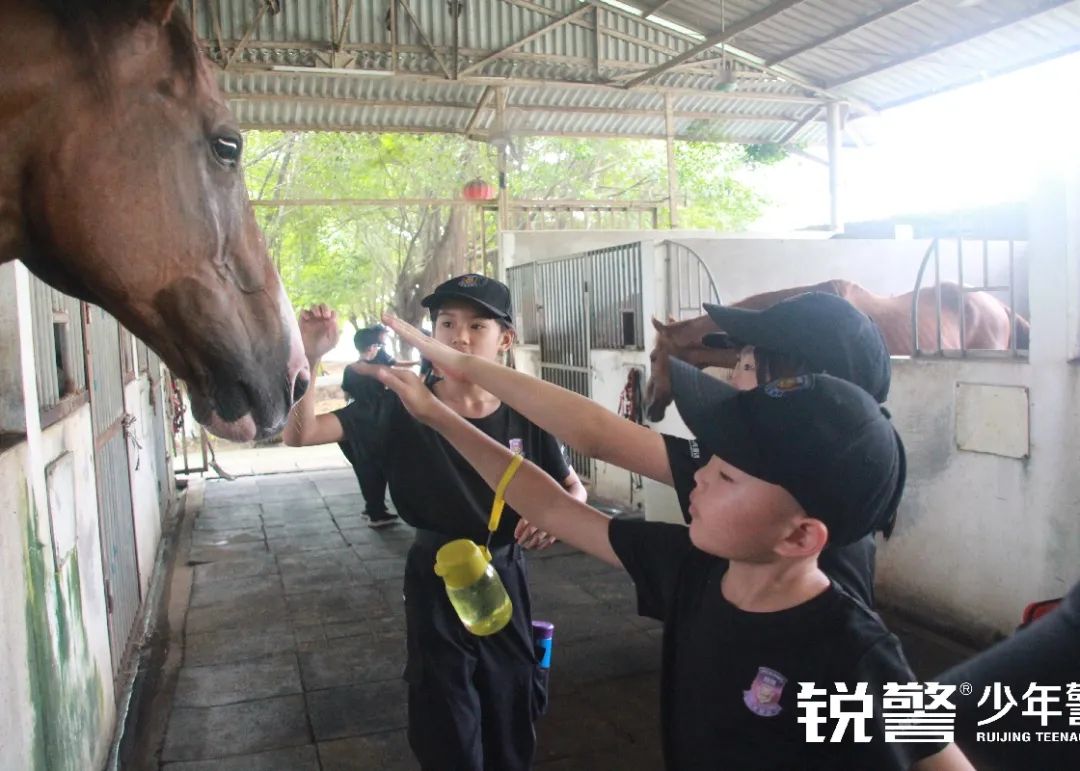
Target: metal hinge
x=108 y=597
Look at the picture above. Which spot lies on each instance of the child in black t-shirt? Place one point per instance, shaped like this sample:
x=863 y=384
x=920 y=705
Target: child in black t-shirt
x=748 y=614
x=472 y=700
x=370 y=344
x=809 y=333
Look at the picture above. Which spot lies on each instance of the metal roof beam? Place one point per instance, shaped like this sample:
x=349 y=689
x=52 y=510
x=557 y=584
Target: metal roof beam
x=656 y=8
x=635 y=112
x=424 y=38
x=716 y=38
x=866 y=21
x=951 y=42
x=483 y=80
x=566 y=17
x=793 y=132
x=488 y=90
x=348 y=127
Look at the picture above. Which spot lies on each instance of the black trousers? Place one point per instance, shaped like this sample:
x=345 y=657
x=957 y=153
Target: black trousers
x=371 y=479
x=472 y=700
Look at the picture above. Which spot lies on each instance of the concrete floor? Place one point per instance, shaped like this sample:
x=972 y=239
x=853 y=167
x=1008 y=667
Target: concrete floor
x=290 y=644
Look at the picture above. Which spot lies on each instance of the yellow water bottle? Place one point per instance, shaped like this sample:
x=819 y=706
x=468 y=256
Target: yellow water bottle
x=474 y=588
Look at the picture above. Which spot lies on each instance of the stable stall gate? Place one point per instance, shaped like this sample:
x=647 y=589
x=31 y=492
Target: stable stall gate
x=115 y=514
x=574 y=305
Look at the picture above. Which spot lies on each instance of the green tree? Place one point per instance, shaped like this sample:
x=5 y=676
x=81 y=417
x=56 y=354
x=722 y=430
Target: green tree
x=363 y=260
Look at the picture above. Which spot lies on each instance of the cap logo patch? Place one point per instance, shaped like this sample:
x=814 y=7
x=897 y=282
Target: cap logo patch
x=470 y=281
x=786 y=385
x=763 y=697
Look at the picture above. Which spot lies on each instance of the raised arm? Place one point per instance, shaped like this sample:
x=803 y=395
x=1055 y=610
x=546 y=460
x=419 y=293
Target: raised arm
x=319 y=330
x=532 y=493
x=579 y=422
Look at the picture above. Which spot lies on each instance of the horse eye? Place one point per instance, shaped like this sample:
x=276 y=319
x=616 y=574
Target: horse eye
x=227 y=149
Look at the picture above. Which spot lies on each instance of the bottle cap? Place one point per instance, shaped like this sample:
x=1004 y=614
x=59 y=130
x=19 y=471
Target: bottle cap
x=543 y=630
x=460 y=563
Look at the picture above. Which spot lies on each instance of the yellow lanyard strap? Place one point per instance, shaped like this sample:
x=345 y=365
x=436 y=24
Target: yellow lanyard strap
x=500 y=500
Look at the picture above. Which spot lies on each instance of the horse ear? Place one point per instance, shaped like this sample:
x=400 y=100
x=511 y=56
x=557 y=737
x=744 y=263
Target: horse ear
x=160 y=11
x=658 y=326
x=670 y=319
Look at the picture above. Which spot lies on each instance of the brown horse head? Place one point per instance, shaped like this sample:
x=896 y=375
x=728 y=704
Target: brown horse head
x=121 y=183
x=681 y=339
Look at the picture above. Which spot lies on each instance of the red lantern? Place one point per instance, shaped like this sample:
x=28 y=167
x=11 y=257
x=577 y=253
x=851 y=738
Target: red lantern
x=478 y=190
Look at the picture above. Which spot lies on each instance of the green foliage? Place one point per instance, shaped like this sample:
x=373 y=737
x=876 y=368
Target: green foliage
x=764 y=155
x=363 y=259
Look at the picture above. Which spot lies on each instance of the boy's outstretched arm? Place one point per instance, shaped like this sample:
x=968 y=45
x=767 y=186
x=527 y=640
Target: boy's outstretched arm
x=579 y=422
x=532 y=493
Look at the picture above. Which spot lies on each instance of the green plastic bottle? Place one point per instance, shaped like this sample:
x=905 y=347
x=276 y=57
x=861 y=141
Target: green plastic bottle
x=474 y=588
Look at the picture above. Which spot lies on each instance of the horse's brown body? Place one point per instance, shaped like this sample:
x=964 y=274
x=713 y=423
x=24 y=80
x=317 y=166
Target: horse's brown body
x=120 y=183
x=986 y=327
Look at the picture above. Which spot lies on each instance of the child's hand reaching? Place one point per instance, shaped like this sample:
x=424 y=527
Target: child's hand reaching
x=449 y=361
x=416 y=396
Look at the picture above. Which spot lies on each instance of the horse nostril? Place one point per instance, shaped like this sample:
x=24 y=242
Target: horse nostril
x=300 y=387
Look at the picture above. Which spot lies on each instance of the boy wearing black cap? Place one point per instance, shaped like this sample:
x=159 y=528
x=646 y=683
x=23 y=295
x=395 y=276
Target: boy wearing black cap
x=809 y=333
x=472 y=700
x=748 y=615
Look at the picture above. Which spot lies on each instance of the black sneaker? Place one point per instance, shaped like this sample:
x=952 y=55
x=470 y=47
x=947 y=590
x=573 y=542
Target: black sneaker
x=382 y=519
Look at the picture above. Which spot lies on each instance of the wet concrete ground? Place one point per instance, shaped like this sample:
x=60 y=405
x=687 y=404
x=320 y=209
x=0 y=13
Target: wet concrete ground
x=291 y=645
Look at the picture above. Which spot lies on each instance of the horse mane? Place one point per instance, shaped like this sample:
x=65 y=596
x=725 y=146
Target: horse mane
x=92 y=24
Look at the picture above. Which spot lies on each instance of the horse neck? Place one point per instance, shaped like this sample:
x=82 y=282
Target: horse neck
x=33 y=61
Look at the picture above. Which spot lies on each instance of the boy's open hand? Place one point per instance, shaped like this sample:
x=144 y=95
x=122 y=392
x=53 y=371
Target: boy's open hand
x=416 y=396
x=319 y=330
x=449 y=361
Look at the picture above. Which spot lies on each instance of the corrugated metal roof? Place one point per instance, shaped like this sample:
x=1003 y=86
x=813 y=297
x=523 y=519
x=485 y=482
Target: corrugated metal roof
x=791 y=57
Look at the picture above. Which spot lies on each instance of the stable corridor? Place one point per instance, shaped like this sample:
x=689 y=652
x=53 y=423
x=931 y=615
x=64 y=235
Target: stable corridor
x=293 y=640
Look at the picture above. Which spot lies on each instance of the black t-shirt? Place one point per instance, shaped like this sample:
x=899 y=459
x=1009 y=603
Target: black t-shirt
x=359 y=387
x=731 y=678
x=851 y=566
x=432 y=486
x=1047 y=653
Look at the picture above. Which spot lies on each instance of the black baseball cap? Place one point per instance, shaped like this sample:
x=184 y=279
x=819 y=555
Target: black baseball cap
x=826 y=331
x=823 y=439
x=489 y=294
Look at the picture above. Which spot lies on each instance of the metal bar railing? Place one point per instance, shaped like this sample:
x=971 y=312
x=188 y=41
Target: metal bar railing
x=934 y=251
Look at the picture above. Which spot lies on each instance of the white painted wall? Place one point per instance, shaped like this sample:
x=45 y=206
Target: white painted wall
x=982 y=535
x=979 y=535
x=56 y=678
x=15 y=723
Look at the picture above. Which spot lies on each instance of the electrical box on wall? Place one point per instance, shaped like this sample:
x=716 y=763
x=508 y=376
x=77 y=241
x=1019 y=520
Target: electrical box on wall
x=993 y=419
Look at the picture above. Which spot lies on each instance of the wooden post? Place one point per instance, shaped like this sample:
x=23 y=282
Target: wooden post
x=834 y=115
x=672 y=175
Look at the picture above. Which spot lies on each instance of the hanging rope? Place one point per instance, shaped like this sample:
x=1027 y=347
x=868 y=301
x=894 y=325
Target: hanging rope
x=631 y=400
x=632 y=407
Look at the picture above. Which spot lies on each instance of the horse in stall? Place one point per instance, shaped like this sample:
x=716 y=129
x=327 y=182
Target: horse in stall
x=121 y=184
x=986 y=327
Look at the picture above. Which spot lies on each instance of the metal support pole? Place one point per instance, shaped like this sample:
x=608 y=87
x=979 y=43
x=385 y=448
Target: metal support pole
x=834 y=117
x=672 y=175
x=504 y=188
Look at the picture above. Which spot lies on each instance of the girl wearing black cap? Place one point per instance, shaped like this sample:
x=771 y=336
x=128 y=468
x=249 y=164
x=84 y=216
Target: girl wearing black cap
x=758 y=642
x=472 y=700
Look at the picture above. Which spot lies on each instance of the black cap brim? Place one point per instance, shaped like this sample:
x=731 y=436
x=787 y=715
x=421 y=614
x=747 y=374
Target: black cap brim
x=742 y=326
x=435 y=299
x=704 y=403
